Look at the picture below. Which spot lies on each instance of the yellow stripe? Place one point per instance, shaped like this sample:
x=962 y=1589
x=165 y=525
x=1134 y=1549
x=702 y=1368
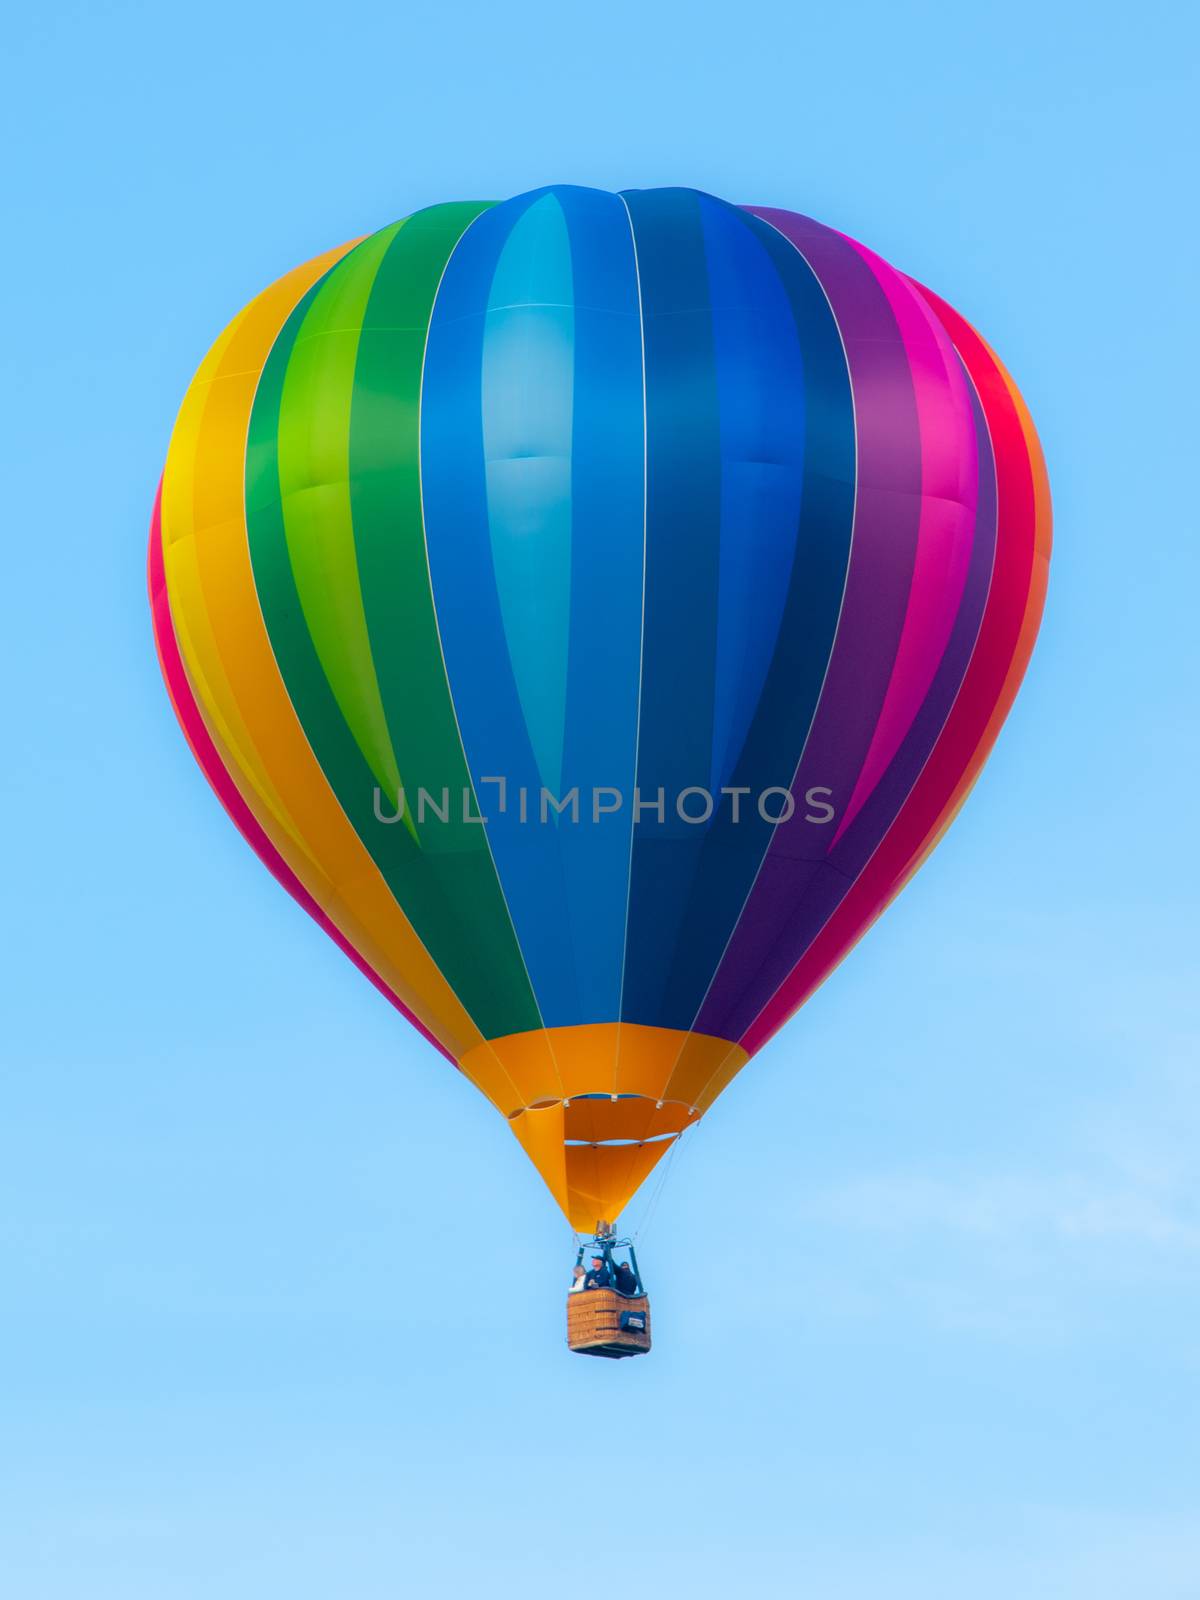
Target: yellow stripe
x=232 y=669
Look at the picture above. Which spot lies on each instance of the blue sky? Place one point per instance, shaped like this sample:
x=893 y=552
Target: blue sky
x=956 y=1204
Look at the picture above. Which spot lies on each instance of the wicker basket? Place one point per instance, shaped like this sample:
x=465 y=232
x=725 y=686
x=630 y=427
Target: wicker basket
x=594 y=1323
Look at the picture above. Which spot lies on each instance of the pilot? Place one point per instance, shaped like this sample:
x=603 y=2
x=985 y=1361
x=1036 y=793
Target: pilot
x=600 y=1277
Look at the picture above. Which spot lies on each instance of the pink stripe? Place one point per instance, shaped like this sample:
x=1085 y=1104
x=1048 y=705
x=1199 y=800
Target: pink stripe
x=949 y=489
x=194 y=731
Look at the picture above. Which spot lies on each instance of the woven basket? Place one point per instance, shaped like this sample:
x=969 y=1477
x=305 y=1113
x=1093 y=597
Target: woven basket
x=594 y=1323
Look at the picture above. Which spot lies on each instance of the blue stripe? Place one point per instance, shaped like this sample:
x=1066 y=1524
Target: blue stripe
x=784 y=506
x=531 y=453
x=787 y=695
x=683 y=522
x=760 y=386
x=608 y=516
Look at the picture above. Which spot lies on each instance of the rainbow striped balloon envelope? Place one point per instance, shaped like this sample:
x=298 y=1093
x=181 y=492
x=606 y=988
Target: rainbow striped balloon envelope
x=593 y=608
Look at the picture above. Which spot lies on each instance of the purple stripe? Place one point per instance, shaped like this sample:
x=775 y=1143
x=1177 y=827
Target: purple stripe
x=802 y=901
x=859 y=844
x=886 y=519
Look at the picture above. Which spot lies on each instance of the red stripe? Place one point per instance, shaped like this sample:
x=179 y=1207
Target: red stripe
x=194 y=731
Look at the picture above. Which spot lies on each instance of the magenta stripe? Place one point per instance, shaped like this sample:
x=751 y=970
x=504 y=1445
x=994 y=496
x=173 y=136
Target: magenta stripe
x=949 y=489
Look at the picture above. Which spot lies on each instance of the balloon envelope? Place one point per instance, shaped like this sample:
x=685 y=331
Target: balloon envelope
x=593 y=608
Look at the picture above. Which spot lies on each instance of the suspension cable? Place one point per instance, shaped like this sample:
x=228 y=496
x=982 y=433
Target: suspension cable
x=652 y=1203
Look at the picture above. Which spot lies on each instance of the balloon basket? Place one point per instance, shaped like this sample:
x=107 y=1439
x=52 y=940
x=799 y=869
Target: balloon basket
x=601 y=1322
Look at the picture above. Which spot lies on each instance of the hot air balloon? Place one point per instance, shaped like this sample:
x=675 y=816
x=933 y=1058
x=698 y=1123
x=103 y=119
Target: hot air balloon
x=593 y=608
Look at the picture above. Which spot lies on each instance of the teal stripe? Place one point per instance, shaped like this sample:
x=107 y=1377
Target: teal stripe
x=527 y=385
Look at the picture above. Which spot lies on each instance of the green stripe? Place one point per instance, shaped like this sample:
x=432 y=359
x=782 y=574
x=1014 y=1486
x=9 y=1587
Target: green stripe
x=389 y=527
x=314 y=474
x=446 y=884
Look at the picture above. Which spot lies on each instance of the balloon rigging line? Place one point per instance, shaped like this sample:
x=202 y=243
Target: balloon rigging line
x=640 y=1230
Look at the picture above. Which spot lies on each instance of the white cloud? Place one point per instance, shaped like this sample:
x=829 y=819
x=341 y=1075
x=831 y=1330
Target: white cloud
x=1127 y=1176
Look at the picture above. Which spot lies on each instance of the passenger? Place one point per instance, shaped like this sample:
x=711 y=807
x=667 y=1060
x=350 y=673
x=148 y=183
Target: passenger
x=627 y=1283
x=576 y=1281
x=600 y=1277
